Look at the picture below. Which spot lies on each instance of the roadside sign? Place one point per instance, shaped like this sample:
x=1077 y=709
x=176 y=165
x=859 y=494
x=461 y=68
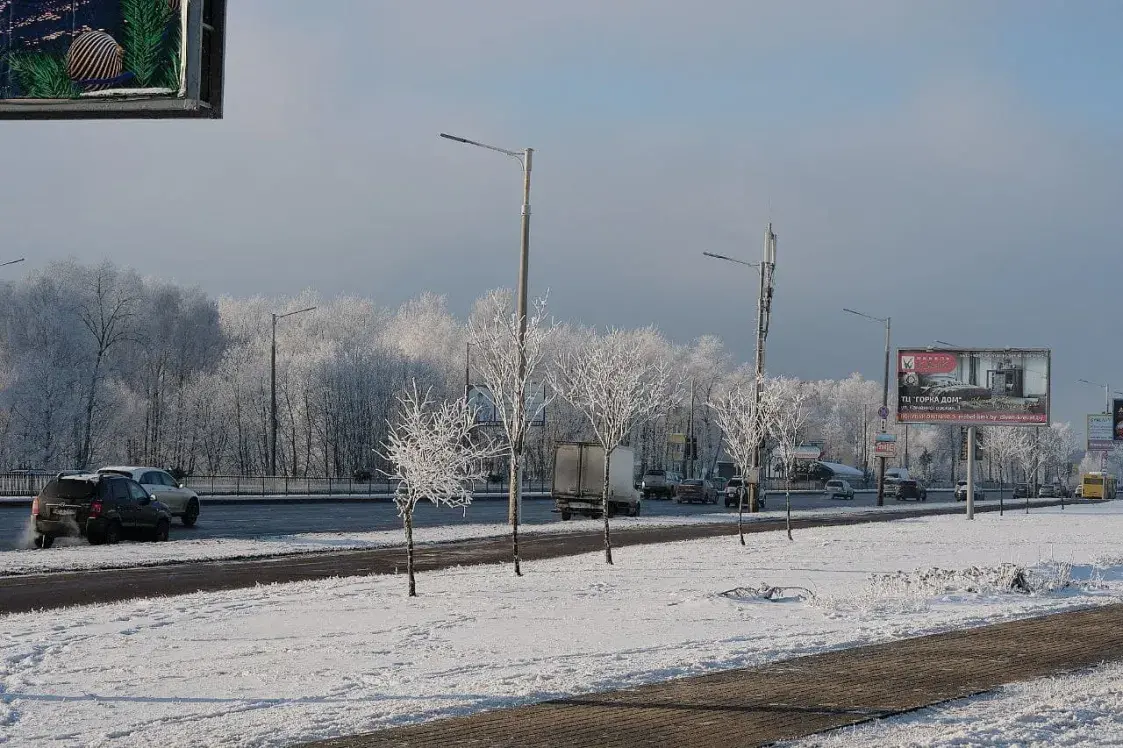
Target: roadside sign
x=882 y=412
x=885 y=445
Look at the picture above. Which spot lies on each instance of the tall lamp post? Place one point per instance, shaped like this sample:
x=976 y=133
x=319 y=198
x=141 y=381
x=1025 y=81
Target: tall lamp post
x=10 y=262
x=525 y=158
x=273 y=390
x=766 y=268
x=884 y=413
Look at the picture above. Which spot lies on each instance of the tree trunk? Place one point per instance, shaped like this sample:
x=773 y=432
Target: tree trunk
x=788 y=500
x=604 y=509
x=1001 y=488
x=515 y=478
x=741 y=506
x=87 y=435
x=407 y=518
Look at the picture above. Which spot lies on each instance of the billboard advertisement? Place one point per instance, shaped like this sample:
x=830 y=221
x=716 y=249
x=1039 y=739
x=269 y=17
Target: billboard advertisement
x=997 y=387
x=80 y=59
x=1117 y=420
x=1101 y=432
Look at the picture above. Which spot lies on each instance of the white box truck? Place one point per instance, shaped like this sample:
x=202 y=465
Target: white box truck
x=579 y=481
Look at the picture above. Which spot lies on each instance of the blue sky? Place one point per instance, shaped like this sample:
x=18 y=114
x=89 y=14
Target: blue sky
x=956 y=165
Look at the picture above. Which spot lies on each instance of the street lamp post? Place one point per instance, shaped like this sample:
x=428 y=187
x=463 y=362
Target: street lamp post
x=766 y=267
x=10 y=262
x=884 y=400
x=273 y=390
x=526 y=159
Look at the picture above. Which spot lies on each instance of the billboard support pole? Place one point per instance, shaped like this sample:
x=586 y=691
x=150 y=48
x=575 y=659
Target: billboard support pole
x=970 y=472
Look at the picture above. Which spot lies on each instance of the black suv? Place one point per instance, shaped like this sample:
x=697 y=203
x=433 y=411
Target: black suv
x=910 y=489
x=101 y=508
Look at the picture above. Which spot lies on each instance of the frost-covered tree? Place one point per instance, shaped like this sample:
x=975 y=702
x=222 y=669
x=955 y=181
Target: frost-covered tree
x=1006 y=447
x=743 y=425
x=511 y=368
x=433 y=456
x=785 y=410
x=617 y=384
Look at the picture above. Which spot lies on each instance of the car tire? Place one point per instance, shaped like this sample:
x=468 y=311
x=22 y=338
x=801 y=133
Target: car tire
x=44 y=541
x=565 y=515
x=191 y=514
x=611 y=511
x=112 y=533
x=160 y=534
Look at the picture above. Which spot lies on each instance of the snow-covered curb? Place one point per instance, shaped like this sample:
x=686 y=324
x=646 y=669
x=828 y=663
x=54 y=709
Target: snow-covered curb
x=77 y=555
x=279 y=664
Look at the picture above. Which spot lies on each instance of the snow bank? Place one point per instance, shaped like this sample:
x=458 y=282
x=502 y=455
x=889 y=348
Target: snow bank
x=275 y=665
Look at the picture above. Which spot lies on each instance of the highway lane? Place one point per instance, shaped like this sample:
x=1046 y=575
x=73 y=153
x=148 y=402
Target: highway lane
x=259 y=520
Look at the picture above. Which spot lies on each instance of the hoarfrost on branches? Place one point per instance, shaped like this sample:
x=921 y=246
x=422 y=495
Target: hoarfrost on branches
x=744 y=424
x=509 y=368
x=614 y=381
x=434 y=456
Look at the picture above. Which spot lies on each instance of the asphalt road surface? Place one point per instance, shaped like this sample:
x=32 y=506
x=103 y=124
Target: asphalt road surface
x=262 y=520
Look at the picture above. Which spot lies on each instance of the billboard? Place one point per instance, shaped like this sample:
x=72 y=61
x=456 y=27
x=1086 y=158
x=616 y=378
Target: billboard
x=479 y=397
x=111 y=59
x=997 y=387
x=1101 y=433
x=1117 y=420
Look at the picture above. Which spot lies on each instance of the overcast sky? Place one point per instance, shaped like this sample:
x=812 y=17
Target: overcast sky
x=957 y=165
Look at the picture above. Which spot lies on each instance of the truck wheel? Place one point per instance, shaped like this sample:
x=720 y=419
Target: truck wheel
x=44 y=541
x=565 y=516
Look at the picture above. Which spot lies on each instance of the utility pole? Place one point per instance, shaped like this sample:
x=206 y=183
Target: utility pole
x=766 y=268
x=763 y=317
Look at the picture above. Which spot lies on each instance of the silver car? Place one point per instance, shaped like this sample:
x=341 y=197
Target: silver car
x=181 y=501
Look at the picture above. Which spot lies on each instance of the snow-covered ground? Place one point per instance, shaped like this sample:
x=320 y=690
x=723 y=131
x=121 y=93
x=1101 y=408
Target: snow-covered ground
x=273 y=665
x=1084 y=709
x=74 y=554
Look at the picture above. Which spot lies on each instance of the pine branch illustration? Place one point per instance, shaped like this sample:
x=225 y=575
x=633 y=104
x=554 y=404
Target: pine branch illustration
x=42 y=76
x=146 y=22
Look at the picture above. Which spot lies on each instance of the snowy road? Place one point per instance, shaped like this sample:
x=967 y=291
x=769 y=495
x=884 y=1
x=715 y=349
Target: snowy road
x=276 y=664
x=264 y=520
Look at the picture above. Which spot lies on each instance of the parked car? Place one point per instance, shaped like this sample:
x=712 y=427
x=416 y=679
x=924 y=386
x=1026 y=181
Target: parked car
x=838 y=489
x=180 y=500
x=910 y=489
x=696 y=490
x=657 y=484
x=101 y=507
x=735 y=487
x=961 y=491
x=1053 y=491
x=1022 y=490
